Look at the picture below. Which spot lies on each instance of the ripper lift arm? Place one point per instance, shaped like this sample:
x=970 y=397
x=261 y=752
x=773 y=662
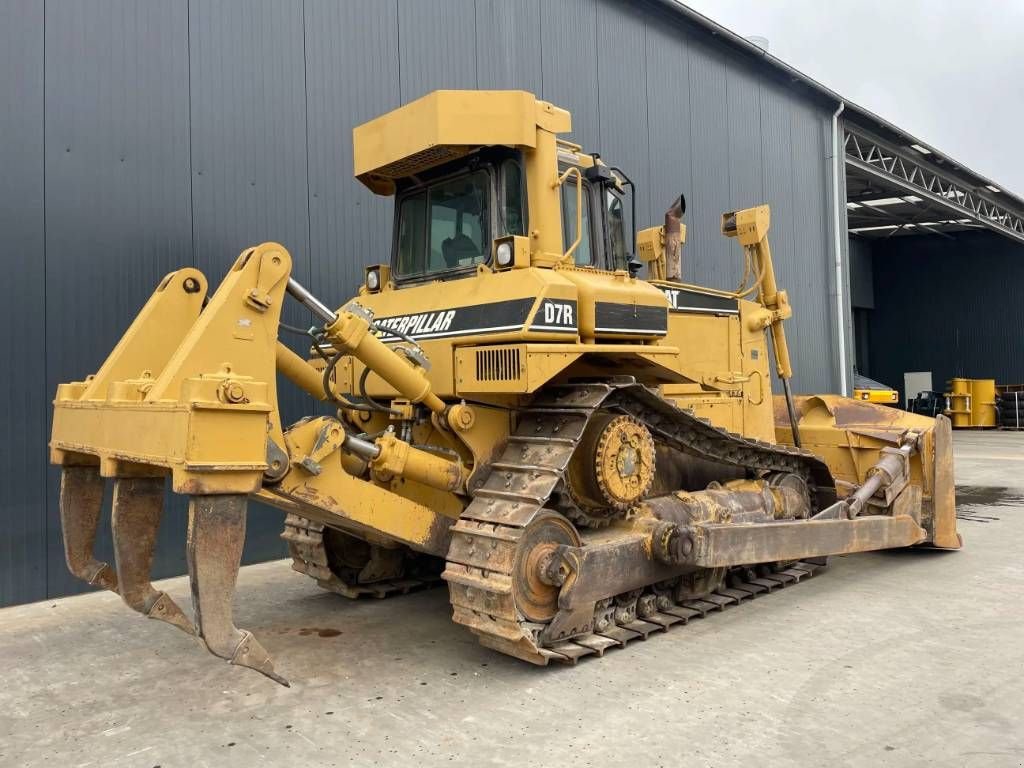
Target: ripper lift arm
x=750 y=227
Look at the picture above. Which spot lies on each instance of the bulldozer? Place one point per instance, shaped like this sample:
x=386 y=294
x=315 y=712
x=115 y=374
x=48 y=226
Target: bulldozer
x=525 y=401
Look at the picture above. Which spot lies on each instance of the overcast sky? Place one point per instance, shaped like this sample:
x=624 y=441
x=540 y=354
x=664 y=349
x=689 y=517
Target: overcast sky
x=951 y=72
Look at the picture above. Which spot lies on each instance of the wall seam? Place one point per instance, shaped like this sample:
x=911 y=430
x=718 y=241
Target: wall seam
x=46 y=362
x=305 y=126
x=191 y=168
x=398 y=46
x=647 y=115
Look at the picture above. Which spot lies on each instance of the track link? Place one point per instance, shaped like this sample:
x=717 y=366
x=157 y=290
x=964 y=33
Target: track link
x=524 y=480
x=308 y=551
x=661 y=617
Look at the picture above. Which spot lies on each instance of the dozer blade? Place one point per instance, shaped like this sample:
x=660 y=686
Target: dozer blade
x=216 y=533
x=138 y=506
x=81 y=500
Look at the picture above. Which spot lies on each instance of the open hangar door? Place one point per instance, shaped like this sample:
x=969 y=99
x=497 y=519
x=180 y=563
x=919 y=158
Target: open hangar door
x=936 y=265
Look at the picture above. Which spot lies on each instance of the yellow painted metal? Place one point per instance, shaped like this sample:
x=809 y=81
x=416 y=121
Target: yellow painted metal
x=750 y=227
x=882 y=396
x=850 y=434
x=190 y=392
x=400 y=459
x=524 y=368
x=351 y=333
x=202 y=408
x=299 y=372
x=650 y=249
x=154 y=334
x=338 y=499
x=585 y=286
x=444 y=125
x=972 y=402
x=335 y=489
x=724 y=360
x=595 y=287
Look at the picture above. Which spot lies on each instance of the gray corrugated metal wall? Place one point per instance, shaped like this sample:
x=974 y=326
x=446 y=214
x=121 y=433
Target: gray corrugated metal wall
x=969 y=324
x=23 y=399
x=139 y=137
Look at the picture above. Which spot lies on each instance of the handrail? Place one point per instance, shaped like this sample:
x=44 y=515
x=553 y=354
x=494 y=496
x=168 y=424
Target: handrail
x=579 y=207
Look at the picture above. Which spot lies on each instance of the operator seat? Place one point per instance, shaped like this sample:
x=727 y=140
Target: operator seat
x=458 y=247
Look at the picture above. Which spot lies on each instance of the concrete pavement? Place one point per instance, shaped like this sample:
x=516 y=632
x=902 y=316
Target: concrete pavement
x=888 y=659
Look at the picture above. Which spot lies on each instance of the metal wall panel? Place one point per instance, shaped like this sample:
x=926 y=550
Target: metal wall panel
x=710 y=259
x=23 y=400
x=505 y=31
x=805 y=270
x=247 y=86
x=622 y=96
x=349 y=225
x=117 y=197
x=743 y=128
x=668 y=121
x=568 y=51
x=437 y=46
x=181 y=132
x=971 y=320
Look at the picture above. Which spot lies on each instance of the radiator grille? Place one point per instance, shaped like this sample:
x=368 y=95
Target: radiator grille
x=501 y=364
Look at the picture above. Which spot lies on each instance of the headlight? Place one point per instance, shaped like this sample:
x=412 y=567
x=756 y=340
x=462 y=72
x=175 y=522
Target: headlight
x=865 y=396
x=373 y=280
x=503 y=254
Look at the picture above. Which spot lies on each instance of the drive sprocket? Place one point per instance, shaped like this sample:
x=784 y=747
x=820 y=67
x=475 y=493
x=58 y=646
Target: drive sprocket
x=611 y=470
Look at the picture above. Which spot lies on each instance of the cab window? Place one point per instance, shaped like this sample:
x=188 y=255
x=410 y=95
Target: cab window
x=583 y=255
x=514 y=222
x=445 y=226
x=618 y=252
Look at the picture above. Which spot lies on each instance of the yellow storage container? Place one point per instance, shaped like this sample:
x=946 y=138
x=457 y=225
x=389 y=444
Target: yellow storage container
x=971 y=403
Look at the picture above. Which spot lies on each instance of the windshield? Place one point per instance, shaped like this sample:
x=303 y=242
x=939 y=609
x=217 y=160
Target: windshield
x=445 y=226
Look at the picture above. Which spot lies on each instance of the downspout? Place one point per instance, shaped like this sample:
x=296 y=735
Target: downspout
x=837 y=223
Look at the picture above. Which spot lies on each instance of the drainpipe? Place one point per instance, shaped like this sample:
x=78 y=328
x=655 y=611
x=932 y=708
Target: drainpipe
x=837 y=227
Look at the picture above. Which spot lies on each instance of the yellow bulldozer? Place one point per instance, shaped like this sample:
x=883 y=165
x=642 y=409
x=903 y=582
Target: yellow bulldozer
x=586 y=456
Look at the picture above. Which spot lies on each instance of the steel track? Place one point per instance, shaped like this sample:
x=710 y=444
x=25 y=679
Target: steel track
x=524 y=478
x=306 y=546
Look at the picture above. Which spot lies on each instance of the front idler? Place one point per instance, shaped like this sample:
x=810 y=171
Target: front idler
x=216 y=534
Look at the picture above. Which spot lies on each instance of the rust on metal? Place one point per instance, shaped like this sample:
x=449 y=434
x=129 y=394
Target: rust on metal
x=135 y=520
x=81 y=502
x=216 y=534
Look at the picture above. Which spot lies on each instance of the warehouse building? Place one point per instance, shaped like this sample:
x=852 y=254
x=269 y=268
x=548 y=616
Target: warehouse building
x=137 y=138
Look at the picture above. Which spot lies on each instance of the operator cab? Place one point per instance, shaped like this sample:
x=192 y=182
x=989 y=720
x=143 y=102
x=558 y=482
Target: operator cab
x=447 y=218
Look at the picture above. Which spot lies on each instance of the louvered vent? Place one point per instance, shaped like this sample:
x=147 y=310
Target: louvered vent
x=421 y=161
x=500 y=364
